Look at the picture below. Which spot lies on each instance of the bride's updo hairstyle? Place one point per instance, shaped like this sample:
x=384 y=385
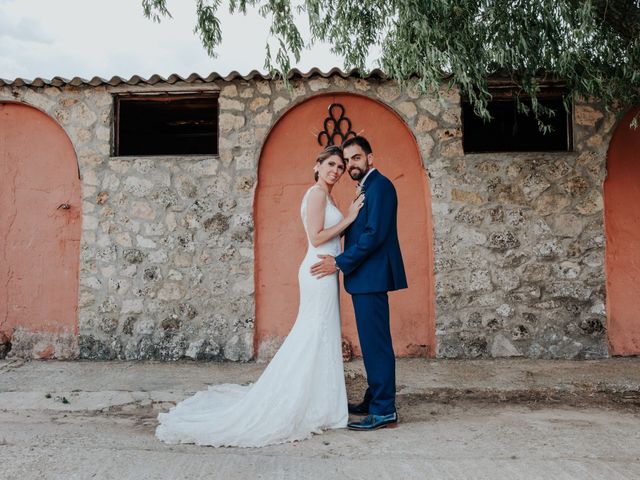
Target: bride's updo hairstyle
x=329 y=151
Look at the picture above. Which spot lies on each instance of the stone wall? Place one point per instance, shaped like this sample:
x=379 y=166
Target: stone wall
x=167 y=246
x=519 y=248
x=166 y=266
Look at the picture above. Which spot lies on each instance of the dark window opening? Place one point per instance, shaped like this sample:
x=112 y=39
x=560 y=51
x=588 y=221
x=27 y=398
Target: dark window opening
x=166 y=125
x=512 y=131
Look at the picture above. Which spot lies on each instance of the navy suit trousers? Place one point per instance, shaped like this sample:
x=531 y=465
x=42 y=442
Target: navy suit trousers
x=372 y=318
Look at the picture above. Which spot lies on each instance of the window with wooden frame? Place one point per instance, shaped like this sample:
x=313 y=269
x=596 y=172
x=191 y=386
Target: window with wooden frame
x=166 y=124
x=514 y=131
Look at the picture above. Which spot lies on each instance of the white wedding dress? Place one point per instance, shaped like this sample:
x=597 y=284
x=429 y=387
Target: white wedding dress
x=302 y=390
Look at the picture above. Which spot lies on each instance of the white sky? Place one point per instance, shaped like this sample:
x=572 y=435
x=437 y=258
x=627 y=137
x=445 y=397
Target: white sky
x=47 y=38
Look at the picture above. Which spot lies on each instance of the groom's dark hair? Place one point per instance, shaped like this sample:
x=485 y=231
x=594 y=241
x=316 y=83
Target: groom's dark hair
x=362 y=142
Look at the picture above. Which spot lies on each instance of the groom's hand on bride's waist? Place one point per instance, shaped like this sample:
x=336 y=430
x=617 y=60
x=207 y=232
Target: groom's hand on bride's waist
x=326 y=266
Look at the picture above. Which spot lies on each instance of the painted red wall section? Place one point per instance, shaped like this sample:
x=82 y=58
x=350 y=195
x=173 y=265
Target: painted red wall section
x=39 y=243
x=622 y=228
x=286 y=172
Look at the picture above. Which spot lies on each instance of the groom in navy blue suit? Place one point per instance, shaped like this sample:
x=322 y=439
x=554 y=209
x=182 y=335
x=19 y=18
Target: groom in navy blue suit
x=372 y=266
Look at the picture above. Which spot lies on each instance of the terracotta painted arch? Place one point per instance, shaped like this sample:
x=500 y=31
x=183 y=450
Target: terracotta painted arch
x=622 y=229
x=285 y=173
x=40 y=242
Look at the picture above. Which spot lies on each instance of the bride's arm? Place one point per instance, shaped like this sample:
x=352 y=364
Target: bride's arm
x=316 y=205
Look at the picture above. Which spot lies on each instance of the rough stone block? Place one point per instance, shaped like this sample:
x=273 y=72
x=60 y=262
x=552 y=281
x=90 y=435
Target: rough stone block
x=586 y=115
x=425 y=124
x=408 y=109
x=503 y=240
x=575 y=185
x=317 y=84
x=462 y=196
x=550 y=202
x=573 y=290
x=566 y=270
x=533 y=185
x=139 y=187
x=228 y=104
x=549 y=249
x=590 y=204
x=480 y=281
x=261 y=102
x=229 y=91
x=229 y=122
x=502 y=347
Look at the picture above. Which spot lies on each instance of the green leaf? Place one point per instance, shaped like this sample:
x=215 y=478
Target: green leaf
x=592 y=45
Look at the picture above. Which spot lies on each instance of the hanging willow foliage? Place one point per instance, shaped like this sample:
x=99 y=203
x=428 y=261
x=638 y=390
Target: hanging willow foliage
x=592 y=46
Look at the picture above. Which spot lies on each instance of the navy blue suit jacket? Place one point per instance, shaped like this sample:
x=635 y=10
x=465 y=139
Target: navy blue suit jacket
x=371 y=261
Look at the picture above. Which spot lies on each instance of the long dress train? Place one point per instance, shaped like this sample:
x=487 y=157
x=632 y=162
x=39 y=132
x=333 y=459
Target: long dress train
x=302 y=390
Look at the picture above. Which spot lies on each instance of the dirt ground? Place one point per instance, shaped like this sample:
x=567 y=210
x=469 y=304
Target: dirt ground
x=573 y=425
x=455 y=441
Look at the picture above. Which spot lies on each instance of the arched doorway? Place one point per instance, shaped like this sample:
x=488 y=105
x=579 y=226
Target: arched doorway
x=622 y=229
x=39 y=224
x=285 y=173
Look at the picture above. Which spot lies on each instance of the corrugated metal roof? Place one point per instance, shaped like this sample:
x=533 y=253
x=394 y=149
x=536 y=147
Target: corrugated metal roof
x=175 y=78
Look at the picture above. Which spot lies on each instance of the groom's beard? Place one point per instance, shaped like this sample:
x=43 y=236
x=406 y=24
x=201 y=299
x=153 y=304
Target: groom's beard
x=357 y=174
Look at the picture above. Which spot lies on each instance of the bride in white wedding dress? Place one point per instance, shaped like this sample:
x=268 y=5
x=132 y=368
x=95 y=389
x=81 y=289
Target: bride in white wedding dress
x=302 y=390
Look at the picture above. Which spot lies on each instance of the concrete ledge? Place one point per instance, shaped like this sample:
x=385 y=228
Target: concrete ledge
x=82 y=386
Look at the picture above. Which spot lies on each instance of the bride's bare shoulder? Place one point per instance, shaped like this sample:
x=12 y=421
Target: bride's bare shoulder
x=316 y=195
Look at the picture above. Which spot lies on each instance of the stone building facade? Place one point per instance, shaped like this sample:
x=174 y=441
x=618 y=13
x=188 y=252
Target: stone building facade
x=167 y=252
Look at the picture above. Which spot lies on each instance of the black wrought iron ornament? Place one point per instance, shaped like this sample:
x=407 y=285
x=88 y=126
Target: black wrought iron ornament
x=337 y=127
